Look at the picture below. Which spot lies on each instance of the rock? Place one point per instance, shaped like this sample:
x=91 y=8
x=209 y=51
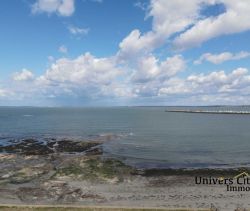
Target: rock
x=6 y=176
x=7 y=157
x=28 y=174
x=95 y=197
x=8 y=193
x=52 y=191
x=33 y=147
x=27 y=147
x=94 y=151
x=40 y=170
x=33 y=194
x=73 y=146
x=70 y=195
x=94 y=169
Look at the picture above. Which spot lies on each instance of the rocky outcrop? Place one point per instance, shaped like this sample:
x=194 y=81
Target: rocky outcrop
x=40 y=171
x=35 y=147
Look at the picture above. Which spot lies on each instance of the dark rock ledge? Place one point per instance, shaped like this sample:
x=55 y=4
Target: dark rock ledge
x=35 y=147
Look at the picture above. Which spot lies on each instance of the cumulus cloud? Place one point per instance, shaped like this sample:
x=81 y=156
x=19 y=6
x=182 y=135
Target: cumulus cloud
x=24 y=75
x=77 y=30
x=63 y=49
x=186 y=28
x=150 y=68
x=102 y=78
x=234 y=20
x=211 y=84
x=85 y=75
x=89 y=76
x=166 y=22
x=211 y=88
x=60 y=7
x=135 y=71
x=150 y=73
x=83 y=70
x=222 y=57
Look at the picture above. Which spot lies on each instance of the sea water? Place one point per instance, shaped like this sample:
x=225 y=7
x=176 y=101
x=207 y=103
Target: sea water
x=146 y=137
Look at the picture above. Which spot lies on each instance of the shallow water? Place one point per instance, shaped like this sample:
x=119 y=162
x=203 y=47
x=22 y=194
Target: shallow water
x=144 y=136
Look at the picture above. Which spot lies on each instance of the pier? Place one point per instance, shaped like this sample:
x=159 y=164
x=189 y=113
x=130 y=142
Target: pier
x=208 y=112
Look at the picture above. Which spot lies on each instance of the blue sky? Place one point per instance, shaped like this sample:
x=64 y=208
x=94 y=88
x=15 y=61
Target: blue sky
x=116 y=52
x=28 y=39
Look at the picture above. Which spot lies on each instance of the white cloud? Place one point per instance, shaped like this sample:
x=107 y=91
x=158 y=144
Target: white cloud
x=3 y=93
x=84 y=76
x=135 y=72
x=212 y=84
x=117 y=90
x=150 y=74
x=63 y=49
x=212 y=88
x=24 y=75
x=78 y=31
x=102 y=78
x=66 y=8
x=85 y=69
x=166 y=22
x=174 y=86
x=141 y=5
x=150 y=68
x=234 y=20
x=51 y=58
x=222 y=57
x=61 y=7
x=192 y=26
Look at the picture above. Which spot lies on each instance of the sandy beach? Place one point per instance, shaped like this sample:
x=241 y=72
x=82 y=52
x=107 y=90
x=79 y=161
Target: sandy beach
x=55 y=174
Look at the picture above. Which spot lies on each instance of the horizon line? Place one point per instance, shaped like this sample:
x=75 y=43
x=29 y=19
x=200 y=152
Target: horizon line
x=109 y=106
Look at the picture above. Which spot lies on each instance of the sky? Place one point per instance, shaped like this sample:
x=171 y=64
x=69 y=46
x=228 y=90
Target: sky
x=124 y=53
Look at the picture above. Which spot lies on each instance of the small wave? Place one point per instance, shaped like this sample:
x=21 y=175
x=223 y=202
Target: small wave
x=109 y=136
x=27 y=115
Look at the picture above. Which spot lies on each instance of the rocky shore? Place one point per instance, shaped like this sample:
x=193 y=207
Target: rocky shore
x=75 y=172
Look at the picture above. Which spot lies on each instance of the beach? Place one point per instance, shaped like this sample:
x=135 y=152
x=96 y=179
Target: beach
x=138 y=157
x=69 y=172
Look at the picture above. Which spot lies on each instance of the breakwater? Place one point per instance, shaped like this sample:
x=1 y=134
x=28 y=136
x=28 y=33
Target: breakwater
x=209 y=112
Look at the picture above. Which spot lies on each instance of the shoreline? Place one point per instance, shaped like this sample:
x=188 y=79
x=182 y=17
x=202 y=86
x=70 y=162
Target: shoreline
x=75 y=173
x=88 y=147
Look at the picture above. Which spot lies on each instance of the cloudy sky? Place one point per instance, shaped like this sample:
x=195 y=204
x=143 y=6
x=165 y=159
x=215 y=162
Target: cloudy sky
x=117 y=52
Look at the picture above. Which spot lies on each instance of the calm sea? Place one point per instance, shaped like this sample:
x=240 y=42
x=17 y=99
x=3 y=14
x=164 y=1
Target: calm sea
x=143 y=136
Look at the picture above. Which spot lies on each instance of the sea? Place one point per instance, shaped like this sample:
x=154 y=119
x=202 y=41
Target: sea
x=145 y=137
